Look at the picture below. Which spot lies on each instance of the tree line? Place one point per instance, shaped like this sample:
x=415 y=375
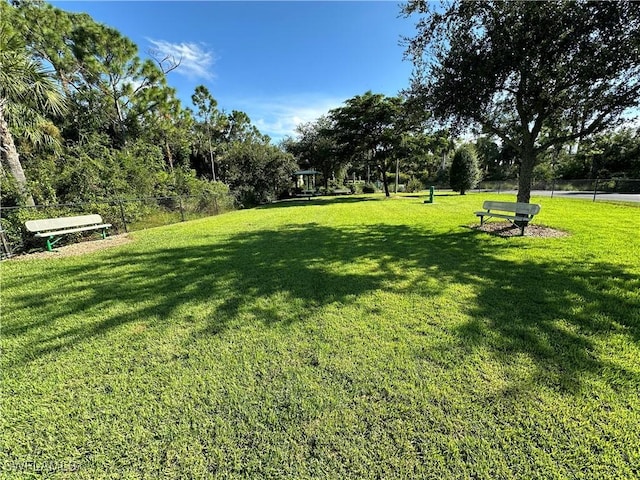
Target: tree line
x=538 y=89
x=83 y=117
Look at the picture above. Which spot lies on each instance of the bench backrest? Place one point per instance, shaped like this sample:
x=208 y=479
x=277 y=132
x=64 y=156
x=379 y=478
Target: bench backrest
x=46 y=224
x=517 y=207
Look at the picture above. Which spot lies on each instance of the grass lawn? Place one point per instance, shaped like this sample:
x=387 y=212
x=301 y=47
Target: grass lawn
x=334 y=338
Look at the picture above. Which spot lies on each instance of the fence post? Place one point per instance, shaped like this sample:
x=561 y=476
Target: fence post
x=5 y=250
x=595 y=190
x=122 y=217
x=181 y=208
x=553 y=187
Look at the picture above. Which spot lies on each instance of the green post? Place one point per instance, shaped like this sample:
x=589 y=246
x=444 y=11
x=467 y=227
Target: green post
x=431 y=191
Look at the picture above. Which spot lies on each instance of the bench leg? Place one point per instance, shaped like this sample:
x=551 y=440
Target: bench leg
x=51 y=242
x=522 y=226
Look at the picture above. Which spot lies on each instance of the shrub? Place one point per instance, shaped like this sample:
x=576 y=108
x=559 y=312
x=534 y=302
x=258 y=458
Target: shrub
x=413 y=185
x=356 y=186
x=464 y=173
x=368 y=188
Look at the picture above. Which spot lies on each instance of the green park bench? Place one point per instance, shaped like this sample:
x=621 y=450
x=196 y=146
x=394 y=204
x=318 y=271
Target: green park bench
x=50 y=228
x=520 y=214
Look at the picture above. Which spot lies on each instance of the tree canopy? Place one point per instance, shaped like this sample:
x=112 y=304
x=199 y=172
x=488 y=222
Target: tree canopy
x=317 y=148
x=373 y=128
x=123 y=132
x=534 y=74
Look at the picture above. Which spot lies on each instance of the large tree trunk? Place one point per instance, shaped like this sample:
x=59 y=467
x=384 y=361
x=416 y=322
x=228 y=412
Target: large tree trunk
x=326 y=173
x=9 y=154
x=527 y=162
x=383 y=173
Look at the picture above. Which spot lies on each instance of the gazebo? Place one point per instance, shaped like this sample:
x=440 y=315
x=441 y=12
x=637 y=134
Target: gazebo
x=306 y=179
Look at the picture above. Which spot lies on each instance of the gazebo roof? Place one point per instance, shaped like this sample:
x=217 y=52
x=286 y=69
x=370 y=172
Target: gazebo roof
x=305 y=172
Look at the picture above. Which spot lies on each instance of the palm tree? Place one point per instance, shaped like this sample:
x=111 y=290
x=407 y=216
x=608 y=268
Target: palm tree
x=27 y=92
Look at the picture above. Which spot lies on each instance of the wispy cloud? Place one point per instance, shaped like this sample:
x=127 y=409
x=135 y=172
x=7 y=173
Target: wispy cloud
x=278 y=117
x=195 y=60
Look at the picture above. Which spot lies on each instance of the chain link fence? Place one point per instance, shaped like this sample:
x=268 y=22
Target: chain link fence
x=592 y=186
x=125 y=215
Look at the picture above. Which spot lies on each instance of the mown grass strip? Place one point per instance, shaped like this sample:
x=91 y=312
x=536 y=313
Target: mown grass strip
x=336 y=338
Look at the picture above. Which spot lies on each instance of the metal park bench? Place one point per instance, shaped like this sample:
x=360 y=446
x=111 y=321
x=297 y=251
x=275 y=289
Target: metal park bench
x=50 y=228
x=520 y=214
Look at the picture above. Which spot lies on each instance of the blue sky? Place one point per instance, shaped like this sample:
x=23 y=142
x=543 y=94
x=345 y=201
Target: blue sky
x=280 y=62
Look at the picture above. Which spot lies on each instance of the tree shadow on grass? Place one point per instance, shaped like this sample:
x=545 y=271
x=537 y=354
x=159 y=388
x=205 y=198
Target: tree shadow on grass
x=548 y=311
x=555 y=313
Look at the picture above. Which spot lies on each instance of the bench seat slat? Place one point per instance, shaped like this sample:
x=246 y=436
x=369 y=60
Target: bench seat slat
x=71 y=230
x=516 y=207
x=500 y=215
x=62 y=223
